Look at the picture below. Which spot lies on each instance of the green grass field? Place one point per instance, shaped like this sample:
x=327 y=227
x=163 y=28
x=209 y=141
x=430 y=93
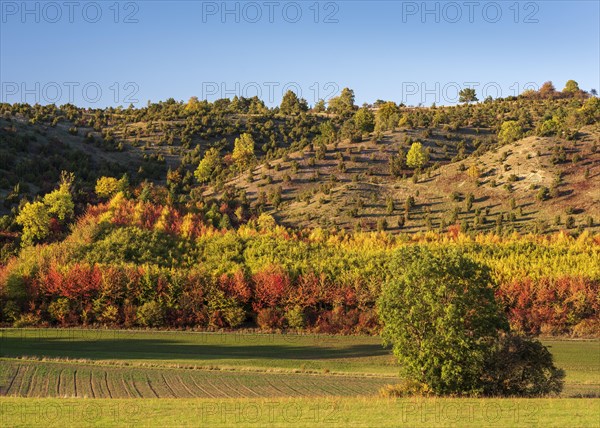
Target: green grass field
x=240 y=379
x=301 y=412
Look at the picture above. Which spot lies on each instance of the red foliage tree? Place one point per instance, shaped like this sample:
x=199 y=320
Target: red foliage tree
x=271 y=286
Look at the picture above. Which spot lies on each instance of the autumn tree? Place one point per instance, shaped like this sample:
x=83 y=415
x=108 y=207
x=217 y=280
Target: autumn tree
x=243 y=150
x=106 y=187
x=35 y=216
x=209 y=163
x=59 y=202
x=510 y=131
x=35 y=219
x=417 y=156
x=547 y=90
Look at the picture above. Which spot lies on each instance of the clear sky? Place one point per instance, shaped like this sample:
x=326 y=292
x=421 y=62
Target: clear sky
x=114 y=53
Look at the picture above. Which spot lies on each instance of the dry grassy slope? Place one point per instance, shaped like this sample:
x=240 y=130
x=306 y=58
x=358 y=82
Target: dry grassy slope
x=306 y=204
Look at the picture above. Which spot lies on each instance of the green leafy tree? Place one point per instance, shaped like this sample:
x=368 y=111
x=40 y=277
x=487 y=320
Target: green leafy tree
x=59 y=202
x=387 y=116
x=319 y=106
x=209 y=163
x=467 y=95
x=327 y=133
x=343 y=104
x=510 y=131
x=571 y=87
x=440 y=315
x=35 y=219
x=548 y=128
x=364 y=120
x=243 y=150
x=291 y=104
x=416 y=157
x=449 y=333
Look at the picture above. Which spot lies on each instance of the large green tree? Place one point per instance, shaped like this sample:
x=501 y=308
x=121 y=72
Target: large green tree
x=440 y=316
x=449 y=334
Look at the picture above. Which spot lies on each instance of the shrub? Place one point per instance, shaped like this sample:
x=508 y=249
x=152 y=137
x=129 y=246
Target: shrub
x=59 y=310
x=150 y=314
x=10 y=311
x=587 y=328
x=543 y=194
x=109 y=315
x=406 y=388
x=27 y=320
x=519 y=366
x=269 y=318
x=295 y=317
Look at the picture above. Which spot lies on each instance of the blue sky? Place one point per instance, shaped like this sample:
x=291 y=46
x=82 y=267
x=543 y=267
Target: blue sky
x=382 y=50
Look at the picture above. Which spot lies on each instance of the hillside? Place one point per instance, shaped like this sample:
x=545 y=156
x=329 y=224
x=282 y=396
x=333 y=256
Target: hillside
x=352 y=185
x=340 y=168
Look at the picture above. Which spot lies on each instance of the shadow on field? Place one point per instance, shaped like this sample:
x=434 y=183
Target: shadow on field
x=144 y=348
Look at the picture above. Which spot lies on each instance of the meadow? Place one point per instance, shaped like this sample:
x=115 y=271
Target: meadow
x=97 y=377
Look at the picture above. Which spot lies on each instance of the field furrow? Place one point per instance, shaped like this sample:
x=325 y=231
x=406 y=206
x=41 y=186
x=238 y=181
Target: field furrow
x=26 y=380
x=201 y=390
x=216 y=389
x=59 y=383
x=35 y=378
x=15 y=384
x=8 y=375
x=180 y=385
x=149 y=383
x=92 y=391
x=75 y=383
